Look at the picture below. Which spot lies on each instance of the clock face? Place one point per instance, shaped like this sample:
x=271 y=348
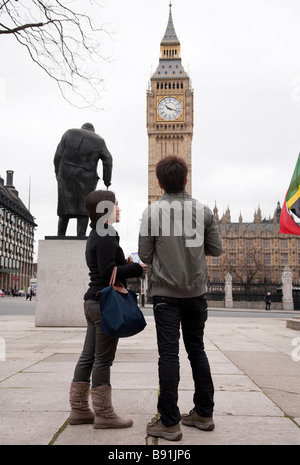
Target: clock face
x=169 y=108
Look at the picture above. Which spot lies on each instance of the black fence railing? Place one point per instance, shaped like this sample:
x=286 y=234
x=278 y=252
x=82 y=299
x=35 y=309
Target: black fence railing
x=215 y=291
x=296 y=298
x=240 y=292
x=245 y=292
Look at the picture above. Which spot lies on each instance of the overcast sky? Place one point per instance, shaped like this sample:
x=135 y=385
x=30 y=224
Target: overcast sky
x=243 y=60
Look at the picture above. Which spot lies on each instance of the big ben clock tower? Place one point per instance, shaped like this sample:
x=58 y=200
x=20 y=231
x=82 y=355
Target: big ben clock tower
x=169 y=110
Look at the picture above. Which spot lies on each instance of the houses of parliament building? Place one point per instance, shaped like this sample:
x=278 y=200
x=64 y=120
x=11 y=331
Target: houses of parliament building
x=253 y=252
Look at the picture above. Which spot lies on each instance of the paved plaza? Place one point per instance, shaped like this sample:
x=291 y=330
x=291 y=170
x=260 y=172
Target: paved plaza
x=255 y=365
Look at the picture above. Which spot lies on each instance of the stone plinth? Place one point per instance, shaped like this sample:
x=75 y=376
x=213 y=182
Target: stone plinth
x=62 y=281
x=293 y=323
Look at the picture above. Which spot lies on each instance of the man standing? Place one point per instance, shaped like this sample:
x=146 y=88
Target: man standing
x=176 y=233
x=75 y=163
x=268 y=301
x=29 y=293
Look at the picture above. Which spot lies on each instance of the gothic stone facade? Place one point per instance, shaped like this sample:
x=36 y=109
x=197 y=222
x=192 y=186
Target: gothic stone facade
x=254 y=252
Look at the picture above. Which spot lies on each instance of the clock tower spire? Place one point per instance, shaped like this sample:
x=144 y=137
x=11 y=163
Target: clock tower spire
x=169 y=110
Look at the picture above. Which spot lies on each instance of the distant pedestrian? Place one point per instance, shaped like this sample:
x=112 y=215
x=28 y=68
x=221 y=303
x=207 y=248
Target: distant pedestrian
x=29 y=293
x=268 y=301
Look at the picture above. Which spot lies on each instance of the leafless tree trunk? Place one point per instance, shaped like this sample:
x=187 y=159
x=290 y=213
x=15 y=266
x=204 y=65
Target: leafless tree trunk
x=66 y=44
x=246 y=269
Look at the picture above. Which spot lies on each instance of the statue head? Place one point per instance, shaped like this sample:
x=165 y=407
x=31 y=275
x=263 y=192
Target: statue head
x=88 y=127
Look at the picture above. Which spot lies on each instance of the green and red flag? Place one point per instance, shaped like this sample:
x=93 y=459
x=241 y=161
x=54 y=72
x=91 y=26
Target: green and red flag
x=291 y=205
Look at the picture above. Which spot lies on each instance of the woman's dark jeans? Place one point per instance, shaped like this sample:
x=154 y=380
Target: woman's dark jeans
x=191 y=313
x=98 y=351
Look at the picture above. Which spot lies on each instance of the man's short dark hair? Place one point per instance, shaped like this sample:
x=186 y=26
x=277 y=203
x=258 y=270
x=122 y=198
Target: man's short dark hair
x=93 y=199
x=171 y=173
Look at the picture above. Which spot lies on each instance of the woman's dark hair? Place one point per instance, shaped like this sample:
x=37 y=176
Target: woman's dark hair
x=171 y=173
x=93 y=199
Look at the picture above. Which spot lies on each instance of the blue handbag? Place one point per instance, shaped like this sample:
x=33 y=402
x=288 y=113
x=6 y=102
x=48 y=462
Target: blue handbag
x=121 y=316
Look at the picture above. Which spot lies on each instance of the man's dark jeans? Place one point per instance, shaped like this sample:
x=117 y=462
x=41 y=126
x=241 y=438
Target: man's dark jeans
x=191 y=313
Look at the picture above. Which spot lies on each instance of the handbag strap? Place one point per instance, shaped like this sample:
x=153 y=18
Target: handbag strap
x=113 y=276
x=117 y=286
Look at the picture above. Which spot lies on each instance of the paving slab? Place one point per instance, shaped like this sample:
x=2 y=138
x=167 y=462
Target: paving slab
x=30 y=428
x=29 y=399
x=276 y=374
x=88 y=436
x=242 y=430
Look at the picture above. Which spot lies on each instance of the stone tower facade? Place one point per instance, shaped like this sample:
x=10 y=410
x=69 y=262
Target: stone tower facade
x=169 y=110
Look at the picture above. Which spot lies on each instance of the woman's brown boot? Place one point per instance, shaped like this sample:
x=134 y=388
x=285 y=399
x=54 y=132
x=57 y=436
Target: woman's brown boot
x=80 y=411
x=105 y=416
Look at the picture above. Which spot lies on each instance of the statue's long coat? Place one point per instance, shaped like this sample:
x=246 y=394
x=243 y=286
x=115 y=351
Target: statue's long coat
x=75 y=163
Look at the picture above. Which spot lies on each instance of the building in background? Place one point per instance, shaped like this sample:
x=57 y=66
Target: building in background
x=17 y=227
x=169 y=110
x=254 y=252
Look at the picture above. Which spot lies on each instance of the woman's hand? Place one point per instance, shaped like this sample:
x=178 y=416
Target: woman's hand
x=144 y=267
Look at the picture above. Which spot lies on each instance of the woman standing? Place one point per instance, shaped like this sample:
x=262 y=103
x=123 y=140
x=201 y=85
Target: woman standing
x=103 y=253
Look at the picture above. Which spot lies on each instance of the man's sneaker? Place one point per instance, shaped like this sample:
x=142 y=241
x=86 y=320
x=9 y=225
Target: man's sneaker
x=193 y=419
x=157 y=429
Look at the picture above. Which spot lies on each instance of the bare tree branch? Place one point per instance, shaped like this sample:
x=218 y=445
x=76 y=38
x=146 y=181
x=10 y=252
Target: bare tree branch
x=19 y=28
x=245 y=268
x=64 y=43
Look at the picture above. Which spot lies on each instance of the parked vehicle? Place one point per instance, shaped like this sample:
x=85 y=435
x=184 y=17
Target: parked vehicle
x=20 y=292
